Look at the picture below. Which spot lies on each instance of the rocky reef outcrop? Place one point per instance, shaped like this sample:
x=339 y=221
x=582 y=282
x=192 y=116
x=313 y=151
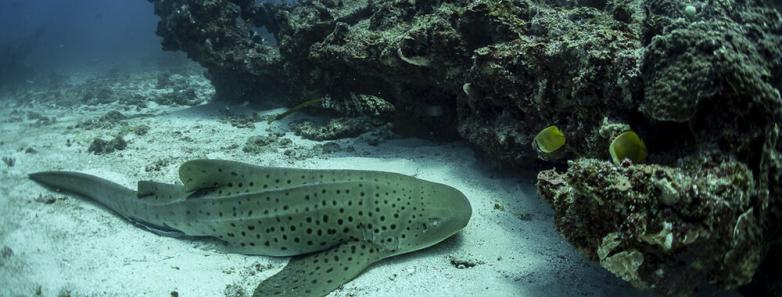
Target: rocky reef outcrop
x=658 y=227
x=698 y=80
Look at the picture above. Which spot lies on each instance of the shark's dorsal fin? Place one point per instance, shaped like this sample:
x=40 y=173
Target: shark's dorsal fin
x=209 y=174
x=160 y=192
x=317 y=274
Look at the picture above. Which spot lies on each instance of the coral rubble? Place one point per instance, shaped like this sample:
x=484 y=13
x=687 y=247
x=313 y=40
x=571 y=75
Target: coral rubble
x=100 y=146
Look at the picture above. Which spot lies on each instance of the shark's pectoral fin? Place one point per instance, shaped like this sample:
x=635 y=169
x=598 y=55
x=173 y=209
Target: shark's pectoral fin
x=160 y=192
x=317 y=274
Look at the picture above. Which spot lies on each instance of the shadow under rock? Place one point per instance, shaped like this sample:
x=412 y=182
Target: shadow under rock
x=217 y=109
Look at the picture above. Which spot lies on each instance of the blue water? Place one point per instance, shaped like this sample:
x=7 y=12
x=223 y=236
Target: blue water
x=43 y=36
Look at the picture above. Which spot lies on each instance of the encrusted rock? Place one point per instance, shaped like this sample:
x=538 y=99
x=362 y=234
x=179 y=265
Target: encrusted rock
x=260 y=143
x=100 y=146
x=622 y=218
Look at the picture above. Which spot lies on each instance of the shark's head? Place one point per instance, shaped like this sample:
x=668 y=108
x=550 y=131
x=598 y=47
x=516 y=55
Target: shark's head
x=444 y=212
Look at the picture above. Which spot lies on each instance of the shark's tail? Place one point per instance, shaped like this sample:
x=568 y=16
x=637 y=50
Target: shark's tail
x=119 y=199
x=109 y=194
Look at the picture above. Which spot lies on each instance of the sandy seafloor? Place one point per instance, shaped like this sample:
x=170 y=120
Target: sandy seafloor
x=55 y=245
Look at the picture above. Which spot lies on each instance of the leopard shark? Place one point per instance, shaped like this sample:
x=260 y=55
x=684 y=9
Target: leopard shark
x=334 y=223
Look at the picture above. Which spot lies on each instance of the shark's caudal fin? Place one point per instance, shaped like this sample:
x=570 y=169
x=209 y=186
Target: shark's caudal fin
x=113 y=196
x=317 y=274
x=105 y=192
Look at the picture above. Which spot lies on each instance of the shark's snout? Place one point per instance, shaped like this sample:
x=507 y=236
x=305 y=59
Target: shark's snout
x=447 y=212
x=458 y=209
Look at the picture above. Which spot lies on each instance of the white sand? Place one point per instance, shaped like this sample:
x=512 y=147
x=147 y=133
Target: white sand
x=73 y=245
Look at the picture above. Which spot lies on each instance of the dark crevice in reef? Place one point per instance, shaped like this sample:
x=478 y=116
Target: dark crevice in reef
x=698 y=80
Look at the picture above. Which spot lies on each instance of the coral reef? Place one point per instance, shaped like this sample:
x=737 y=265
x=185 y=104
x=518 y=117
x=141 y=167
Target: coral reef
x=223 y=42
x=670 y=229
x=698 y=81
x=768 y=278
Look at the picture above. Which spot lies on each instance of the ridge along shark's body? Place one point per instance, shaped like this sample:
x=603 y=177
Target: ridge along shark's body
x=335 y=222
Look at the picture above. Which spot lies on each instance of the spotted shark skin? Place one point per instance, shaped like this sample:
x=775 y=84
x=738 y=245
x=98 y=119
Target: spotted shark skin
x=335 y=223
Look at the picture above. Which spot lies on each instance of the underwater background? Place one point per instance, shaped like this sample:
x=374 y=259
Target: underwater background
x=604 y=147
x=43 y=37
